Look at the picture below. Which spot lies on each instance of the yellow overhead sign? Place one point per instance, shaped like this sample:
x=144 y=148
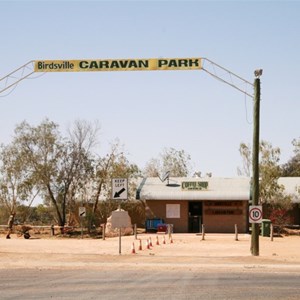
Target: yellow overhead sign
x=152 y=64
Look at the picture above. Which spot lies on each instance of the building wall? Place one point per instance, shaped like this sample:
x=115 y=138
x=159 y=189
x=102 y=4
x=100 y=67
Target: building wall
x=158 y=210
x=221 y=216
x=217 y=216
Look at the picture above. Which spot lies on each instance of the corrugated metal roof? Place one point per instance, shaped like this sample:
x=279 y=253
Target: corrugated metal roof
x=217 y=189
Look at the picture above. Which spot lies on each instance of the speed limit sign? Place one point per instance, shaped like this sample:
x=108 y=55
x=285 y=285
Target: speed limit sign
x=255 y=214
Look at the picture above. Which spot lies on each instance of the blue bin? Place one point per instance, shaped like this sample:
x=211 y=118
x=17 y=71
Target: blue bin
x=152 y=224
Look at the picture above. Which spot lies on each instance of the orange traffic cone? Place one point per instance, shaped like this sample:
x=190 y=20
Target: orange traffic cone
x=164 y=240
x=133 y=249
x=150 y=242
x=171 y=240
x=157 y=241
x=140 y=247
x=147 y=244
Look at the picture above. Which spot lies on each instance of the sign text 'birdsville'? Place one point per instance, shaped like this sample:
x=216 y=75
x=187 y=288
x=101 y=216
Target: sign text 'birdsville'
x=152 y=64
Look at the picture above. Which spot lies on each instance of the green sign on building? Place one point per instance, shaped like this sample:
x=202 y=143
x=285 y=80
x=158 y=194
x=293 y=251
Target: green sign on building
x=194 y=185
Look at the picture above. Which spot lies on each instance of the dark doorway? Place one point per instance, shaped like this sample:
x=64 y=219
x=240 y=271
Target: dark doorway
x=195 y=216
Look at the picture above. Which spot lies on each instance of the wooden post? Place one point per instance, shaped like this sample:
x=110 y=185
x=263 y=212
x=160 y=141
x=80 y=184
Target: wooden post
x=272 y=232
x=135 y=231
x=52 y=230
x=236 y=232
x=103 y=231
x=199 y=224
x=120 y=234
x=169 y=230
x=255 y=165
x=203 y=232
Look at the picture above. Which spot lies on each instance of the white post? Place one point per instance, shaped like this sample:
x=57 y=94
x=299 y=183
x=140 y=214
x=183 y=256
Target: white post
x=81 y=224
x=120 y=240
x=272 y=232
x=135 y=231
x=236 y=232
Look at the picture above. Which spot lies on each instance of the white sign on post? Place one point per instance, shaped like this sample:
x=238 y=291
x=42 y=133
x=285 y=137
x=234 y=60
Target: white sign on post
x=255 y=214
x=119 y=188
x=120 y=219
x=82 y=211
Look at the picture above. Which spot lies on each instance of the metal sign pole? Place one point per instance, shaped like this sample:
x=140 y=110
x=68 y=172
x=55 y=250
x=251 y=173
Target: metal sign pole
x=120 y=233
x=120 y=241
x=119 y=192
x=82 y=214
x=81 y=227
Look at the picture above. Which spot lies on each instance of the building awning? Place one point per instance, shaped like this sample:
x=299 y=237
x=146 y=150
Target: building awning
x=195 y=189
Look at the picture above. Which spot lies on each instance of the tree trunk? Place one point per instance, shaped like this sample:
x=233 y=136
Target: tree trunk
x=61 y=222
x=97 y=196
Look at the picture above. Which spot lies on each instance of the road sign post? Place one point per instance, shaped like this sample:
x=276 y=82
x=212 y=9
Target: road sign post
x=255 y=217
x=119 y=189
x=82 y=214
x=120 y=219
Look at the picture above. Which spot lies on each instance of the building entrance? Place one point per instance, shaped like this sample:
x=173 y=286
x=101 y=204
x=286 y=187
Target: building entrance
x=195 y=216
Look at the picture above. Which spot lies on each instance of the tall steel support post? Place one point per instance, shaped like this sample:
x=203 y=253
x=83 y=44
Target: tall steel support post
x=255 y=165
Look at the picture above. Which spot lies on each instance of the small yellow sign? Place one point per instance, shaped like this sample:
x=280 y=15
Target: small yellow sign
x=152 y=64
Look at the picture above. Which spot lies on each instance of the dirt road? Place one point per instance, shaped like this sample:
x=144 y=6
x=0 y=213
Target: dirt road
x=217 y=251
x=216 y=268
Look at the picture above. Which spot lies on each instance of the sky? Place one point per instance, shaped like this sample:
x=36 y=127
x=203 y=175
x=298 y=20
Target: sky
x=150 y=111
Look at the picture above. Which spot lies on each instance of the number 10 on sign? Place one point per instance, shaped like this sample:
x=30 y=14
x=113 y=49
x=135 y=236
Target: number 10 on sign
x=255 y=214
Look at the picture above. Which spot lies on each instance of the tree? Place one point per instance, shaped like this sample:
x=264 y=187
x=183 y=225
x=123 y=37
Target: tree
x=292 y=167
x=296 y=144
x=115 y=164
x=153 y=168
x=280 y=218
x=245 y=152
x=54 y=161
x=17 y=185
x=101 y=177
x=269 y=170
x=40 y=215
x=83 y=136
x=177 y=162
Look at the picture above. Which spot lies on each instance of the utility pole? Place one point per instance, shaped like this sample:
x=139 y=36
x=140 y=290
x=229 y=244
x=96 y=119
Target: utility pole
x=255 y=161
